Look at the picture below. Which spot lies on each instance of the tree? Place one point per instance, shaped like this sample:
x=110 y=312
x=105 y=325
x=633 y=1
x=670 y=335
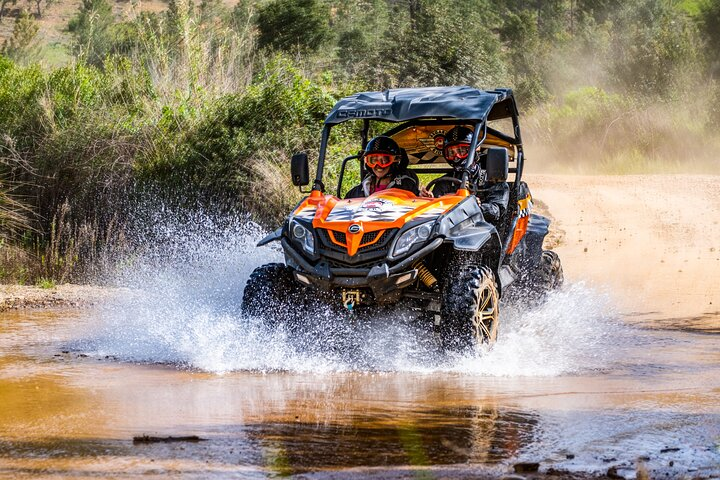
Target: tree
x=38 y=5
x=710 y=23
x=291 y=25
x=23 y=37
x=3 y=5
x=653 y=47
x=442 y=42
x=91 y=29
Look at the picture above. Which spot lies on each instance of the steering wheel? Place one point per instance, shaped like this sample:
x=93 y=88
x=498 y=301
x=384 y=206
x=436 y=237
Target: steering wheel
x=454 y=180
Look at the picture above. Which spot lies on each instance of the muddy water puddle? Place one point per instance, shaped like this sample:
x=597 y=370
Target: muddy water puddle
x=73 y=397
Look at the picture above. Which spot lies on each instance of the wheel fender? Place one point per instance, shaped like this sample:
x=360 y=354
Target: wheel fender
x=538 y=225
x=274 y=236
x=472 y=239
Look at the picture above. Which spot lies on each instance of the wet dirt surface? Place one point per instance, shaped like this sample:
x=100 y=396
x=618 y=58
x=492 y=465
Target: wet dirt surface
x=581 y=384
x=69 y=412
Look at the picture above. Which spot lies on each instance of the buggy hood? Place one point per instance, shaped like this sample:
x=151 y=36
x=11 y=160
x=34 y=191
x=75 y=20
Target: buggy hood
x=353 y=218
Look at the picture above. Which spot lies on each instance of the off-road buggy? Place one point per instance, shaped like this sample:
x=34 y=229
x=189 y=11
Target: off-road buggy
x=436 y=255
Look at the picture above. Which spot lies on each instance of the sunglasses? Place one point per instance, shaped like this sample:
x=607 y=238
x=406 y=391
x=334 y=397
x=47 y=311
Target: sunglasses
x=455 y=152
x=382 y=160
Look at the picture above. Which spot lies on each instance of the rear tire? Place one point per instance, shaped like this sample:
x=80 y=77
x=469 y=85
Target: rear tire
x=273 y=294
x=549 y=274
x=470 y=309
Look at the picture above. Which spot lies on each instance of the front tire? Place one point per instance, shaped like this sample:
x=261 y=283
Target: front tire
x=272 y=294
x=470 y=309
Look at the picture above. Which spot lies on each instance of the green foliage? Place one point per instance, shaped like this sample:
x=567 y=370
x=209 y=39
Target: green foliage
x=46 y=283
x=22 y=116
x=444 y=43
x=422 y=42
x=91 y=29
x=709 y=21
x=653 y=45
x=235 y=146
x=589 y=105
x=527 y=55
x=293 y=25
x=22 y=44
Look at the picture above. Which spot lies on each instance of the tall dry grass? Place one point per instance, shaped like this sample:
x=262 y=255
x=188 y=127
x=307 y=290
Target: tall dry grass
x=591 y=131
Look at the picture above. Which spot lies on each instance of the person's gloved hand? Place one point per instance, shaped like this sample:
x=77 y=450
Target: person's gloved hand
x=424 y=192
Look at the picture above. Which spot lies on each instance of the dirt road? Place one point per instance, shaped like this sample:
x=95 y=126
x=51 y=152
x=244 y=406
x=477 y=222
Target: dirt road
x=651 y=241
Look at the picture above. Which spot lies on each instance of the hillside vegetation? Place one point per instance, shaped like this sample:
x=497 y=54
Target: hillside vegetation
x=104 y=106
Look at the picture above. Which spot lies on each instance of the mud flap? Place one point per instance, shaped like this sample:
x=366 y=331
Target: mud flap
x=506 y=276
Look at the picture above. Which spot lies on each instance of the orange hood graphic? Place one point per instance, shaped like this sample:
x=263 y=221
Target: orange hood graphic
x=359 y=222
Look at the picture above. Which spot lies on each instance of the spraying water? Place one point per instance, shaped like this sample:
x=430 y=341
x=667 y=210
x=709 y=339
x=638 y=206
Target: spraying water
x=184 y=309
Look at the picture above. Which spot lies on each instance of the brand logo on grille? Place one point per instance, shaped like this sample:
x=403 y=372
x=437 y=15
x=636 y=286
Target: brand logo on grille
x=355 y=228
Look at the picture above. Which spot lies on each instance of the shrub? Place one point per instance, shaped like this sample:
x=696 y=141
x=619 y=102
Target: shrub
x=244 y=134
x=293 y=25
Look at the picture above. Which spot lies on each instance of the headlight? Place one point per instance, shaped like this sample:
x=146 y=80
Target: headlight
x=411 y=238
x=304 y=236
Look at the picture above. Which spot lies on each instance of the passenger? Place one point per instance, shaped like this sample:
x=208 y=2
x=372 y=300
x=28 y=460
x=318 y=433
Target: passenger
x=387 y=163
x=494 y=196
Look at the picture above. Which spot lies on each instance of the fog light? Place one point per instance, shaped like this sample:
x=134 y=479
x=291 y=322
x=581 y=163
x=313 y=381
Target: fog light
x=303 y=279
x=298 y=231
x=404 y=278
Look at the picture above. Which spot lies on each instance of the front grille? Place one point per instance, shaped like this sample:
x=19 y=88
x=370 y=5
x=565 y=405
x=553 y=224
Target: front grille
x=340 y=237
x=383 y=242
x=369 y=237
x=327 y=242
x=337 y=254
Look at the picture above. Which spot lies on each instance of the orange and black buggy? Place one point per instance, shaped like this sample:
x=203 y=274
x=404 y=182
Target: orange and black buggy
x=436 y=255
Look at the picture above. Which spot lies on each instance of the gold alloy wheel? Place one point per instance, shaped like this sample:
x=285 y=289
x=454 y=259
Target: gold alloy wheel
x=485 y=321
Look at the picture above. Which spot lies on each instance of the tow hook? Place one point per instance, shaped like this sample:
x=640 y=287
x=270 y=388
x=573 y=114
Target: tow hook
x=350 y=298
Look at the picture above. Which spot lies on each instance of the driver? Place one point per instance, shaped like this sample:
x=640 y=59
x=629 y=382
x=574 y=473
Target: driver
x=494 y=197
x=387 y=163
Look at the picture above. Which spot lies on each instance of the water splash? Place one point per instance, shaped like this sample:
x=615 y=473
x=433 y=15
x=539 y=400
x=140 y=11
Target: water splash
x=574 y=330
x=184 y=309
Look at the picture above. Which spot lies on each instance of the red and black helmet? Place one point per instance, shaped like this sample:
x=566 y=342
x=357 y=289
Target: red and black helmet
x=456 y=147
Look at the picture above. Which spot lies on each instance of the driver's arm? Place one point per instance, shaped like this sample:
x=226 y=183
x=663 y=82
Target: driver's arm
x=494 y=200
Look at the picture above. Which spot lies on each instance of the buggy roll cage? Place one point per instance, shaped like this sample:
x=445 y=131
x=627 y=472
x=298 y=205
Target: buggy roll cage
x=489 y=105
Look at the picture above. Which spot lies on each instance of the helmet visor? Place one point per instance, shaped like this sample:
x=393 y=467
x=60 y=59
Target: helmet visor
x=382 y=160
x=457 y=152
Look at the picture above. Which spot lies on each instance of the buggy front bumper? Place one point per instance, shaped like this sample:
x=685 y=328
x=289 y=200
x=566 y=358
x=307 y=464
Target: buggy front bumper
x=382 y=279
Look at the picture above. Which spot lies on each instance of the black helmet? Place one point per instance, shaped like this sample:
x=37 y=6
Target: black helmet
x=454 y=136
x=383 y=144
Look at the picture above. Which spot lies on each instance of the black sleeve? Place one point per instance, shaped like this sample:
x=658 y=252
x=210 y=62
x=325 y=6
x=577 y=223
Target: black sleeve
x=410 y=182
x=494 y=198
x=356 y=192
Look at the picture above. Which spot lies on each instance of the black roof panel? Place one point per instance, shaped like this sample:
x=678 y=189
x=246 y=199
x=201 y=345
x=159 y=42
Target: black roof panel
x=402 y=104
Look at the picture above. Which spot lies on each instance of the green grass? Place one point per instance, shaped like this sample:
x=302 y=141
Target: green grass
x=46 y=283
x=55 y=55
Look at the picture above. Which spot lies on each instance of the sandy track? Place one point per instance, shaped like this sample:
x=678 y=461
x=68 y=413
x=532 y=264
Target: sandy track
x=13 y=297
x=651 y=241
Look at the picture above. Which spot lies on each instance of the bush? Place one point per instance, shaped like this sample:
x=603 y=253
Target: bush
x=653 y=48
x=293 y=25
x=22 y=116
x=241 y=141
